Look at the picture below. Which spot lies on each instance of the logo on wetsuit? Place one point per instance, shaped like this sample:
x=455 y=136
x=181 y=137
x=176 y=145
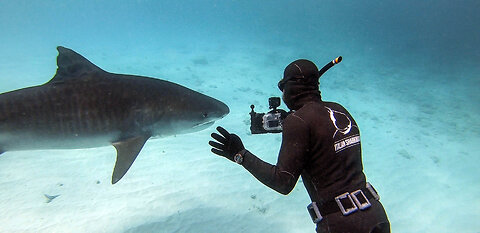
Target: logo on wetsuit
x=343 y=126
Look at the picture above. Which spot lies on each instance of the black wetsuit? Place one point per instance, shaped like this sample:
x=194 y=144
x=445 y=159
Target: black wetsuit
x=321 y=143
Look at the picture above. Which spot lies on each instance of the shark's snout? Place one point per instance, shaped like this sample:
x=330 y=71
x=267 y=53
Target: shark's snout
x=215 y=112
x=223 y=109
x=219 y=110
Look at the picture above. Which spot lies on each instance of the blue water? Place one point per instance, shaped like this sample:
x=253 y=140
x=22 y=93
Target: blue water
x=410 y=77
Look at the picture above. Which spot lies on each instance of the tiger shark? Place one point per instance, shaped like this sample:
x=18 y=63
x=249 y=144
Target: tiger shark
x=83 y=106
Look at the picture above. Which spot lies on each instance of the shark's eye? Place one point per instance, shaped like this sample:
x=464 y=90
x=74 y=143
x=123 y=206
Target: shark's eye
x=205 y=115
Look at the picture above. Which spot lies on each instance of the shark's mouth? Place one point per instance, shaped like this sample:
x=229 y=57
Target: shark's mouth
x=194 y=128
x=203 y=125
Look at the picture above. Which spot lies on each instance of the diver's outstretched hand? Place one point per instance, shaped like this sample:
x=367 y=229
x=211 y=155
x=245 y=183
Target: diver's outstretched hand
x=226 y=144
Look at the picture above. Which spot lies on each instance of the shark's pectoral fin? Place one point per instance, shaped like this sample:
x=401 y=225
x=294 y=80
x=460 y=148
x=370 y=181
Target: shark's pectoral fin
x=127 y=151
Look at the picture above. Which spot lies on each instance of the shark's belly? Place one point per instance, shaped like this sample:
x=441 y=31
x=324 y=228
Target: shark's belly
x=31 y=141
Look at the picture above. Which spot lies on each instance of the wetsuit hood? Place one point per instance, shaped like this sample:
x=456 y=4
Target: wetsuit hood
x=300 y=84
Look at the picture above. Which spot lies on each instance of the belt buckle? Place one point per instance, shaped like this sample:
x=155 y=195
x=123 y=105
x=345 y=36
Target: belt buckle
x=360 y=205
x=373 y=191
x=347 y=211
x=314 y=212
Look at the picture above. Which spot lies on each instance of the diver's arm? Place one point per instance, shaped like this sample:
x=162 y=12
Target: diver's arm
x=283 y=176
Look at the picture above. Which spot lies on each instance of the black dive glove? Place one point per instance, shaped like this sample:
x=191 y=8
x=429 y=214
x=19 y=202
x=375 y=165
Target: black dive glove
x=228 y=144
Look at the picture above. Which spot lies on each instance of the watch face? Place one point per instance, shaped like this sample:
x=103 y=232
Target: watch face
x=238 y=158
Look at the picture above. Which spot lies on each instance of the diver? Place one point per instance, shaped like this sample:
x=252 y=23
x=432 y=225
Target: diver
x=320 y=143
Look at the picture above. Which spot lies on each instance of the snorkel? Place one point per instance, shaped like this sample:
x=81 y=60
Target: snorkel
x=329 y=65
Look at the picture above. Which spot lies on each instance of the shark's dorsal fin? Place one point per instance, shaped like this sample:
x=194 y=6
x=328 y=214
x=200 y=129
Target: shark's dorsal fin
x=71 y=65
x=127 y=151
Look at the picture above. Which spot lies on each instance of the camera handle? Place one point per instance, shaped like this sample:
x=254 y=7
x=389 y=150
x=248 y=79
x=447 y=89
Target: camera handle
x=252 y=112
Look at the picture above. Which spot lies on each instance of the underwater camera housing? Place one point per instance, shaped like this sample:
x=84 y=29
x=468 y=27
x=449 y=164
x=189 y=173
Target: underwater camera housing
x=270 y=122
